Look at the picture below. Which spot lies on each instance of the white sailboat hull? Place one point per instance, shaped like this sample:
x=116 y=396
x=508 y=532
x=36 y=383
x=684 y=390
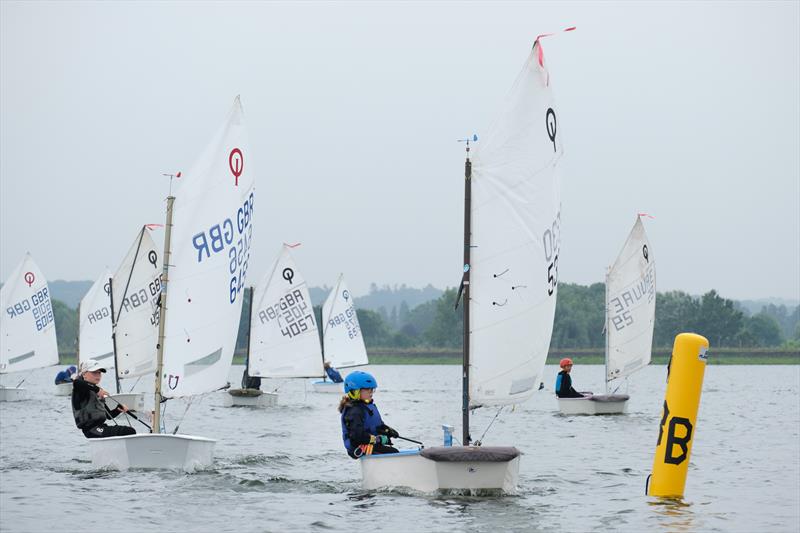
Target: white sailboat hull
x=15 y=394
x=411 y=470
x=153 y=451
x=250 y=398
x=132 y=400
x=599 y=404
x=328 y=387
x=63 y=389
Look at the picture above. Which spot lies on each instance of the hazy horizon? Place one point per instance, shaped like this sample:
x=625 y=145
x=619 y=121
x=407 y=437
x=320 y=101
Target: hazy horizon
x=399 y=286
x=686 y=111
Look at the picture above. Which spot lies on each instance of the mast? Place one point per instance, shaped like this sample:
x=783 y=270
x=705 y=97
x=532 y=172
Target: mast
x=114 y=332
x=162 y=317
x=465 y=284
x=249 y=337
x=608 y=333
x=78 y=341
x=322 y=341
x=324 y=324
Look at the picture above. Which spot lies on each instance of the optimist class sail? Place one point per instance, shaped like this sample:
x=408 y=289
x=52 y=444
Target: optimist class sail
x=210 y=249
x=94 y=328
x=27 y=323
x=284 y=337
x=136 y=288
x=515 y=242
x=342 y=339
x=630 y=306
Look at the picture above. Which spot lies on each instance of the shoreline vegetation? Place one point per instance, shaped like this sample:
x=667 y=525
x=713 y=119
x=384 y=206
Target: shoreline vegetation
x=582 y=356
x=424 y=328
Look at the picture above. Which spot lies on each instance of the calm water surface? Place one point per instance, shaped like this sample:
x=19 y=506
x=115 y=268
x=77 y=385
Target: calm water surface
x=284 y=468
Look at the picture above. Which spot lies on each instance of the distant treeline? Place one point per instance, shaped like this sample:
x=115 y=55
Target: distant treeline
x=579 y=321
x=578 y=324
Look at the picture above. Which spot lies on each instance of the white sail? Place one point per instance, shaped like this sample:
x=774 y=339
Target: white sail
x=284 y=340
x=27 y=323
x=136 y=288
x=94 y=327
x=515 y=241
x=342 y=341
x=210 y=248
x=630 y=306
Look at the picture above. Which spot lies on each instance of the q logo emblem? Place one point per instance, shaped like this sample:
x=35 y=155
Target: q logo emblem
x=236 y=163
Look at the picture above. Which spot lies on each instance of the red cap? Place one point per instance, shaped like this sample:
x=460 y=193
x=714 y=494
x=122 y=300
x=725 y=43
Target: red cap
x=564 y=362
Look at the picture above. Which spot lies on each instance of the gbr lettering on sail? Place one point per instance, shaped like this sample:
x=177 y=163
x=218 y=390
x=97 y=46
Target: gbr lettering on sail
x=231 y=236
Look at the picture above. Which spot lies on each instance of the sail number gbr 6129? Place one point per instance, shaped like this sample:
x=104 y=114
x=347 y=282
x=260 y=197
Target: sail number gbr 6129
x=551 y=243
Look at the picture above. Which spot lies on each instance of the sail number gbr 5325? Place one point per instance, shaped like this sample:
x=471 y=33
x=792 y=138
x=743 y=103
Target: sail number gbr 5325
x=551 y=242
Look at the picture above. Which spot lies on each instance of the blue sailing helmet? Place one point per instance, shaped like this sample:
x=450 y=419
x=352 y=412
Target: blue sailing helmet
x=359 y=380
x=71 y=370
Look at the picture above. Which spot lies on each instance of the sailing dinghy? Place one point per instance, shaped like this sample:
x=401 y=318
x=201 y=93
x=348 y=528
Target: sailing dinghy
x=27 y=326
x=135 y=289
x=206 y=252
x=284 y=339
x=509 y=287
x=630 y=319
x=249 y=396
x=94 y=329
x=342 y=340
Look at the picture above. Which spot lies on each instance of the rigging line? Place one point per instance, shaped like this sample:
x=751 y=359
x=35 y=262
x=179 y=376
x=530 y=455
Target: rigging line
x=130 y=275
x=333 y=305
x=188 y=405
x=480 y=440
x=163 y=413
x=108 y=411
x=23 y=380
x=129 y=414
x=284 y=383
x=134 y=385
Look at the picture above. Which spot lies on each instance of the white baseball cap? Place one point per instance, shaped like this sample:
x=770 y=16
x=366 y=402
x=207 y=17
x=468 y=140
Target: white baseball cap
x=91 y=365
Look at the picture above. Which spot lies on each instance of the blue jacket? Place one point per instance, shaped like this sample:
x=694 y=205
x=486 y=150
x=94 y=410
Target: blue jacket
x=359 y=422
x=334 y=374
x=65 y=376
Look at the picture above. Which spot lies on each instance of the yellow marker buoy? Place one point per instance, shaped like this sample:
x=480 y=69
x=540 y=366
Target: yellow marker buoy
x=685 y=373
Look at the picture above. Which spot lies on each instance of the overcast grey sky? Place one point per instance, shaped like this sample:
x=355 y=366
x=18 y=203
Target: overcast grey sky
x=687 y=111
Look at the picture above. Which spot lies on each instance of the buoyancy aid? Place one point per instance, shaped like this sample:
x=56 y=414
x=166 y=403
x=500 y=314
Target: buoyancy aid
x=368 y=414
x=86 y=406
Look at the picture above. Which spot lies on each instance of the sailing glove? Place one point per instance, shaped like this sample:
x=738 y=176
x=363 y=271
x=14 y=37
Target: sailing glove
x=391 y=433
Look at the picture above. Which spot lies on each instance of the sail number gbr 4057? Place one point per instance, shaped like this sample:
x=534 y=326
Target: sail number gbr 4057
x=293 y=310
x=236 y=238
